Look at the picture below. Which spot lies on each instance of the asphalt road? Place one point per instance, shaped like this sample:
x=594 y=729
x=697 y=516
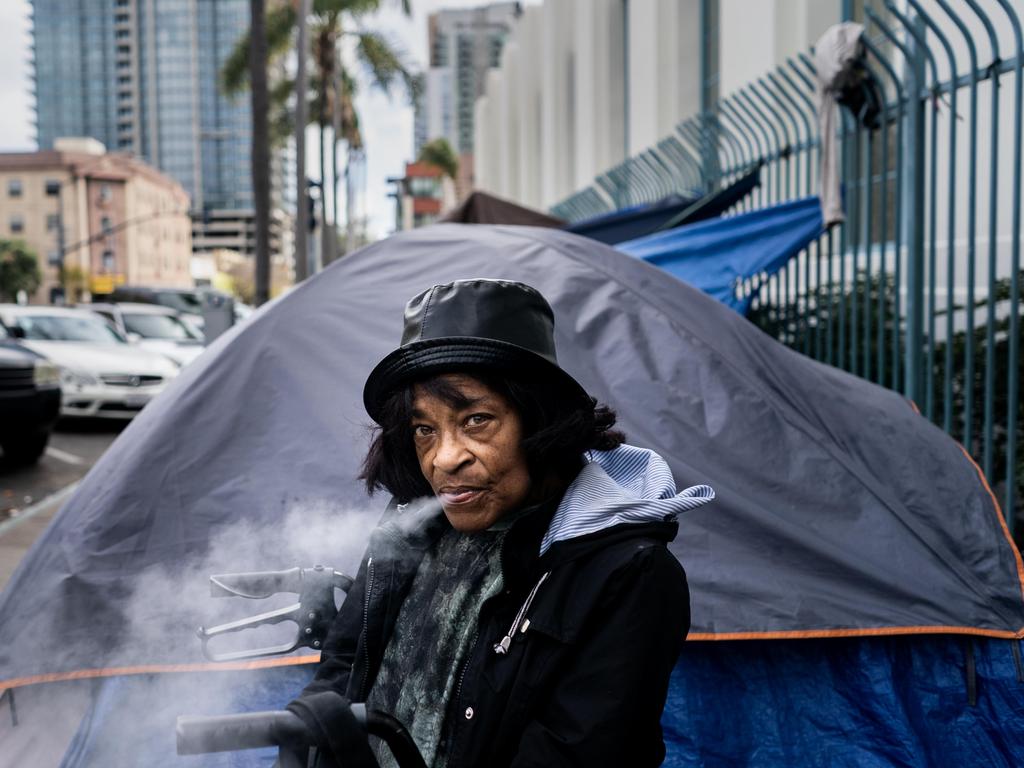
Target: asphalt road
x=31 y=496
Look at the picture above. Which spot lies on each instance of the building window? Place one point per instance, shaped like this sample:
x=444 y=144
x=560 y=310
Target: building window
x=51 y=187
x=53 y=258
x=105 y=225
x=108 y=261
x=105 y=193
x=51 y=222
x=17 y=224
x=423 y=186
x=14 y=188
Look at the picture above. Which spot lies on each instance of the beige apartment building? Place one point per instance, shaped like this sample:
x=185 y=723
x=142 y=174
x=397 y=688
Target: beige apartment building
x=109 y=218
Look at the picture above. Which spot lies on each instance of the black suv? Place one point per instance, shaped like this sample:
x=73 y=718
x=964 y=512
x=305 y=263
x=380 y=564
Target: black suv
x=29 y=401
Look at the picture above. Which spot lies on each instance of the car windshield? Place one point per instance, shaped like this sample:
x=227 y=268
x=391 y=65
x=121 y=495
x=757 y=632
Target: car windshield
x=181 y=301
x=157 y=327
x=68 y=328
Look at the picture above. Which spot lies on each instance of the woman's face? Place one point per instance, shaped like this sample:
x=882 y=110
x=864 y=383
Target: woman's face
x=471 y=453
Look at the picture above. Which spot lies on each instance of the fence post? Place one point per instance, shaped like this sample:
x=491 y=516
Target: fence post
x=914 y=223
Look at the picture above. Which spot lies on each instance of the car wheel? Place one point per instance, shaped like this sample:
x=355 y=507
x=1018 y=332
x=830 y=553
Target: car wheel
x=28 y=449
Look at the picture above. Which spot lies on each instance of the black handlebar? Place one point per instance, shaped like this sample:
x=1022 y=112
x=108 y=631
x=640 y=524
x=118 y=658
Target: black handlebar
x=226 y=733
x=251 y=730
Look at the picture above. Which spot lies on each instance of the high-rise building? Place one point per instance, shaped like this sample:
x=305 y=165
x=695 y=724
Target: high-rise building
x=142 y=76
x=464 y=45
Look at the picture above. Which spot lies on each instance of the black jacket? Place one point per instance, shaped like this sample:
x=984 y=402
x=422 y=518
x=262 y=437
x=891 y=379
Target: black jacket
x=584 y=684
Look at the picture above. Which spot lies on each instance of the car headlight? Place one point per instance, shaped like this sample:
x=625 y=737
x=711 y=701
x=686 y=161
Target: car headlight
x=71 y=378
x=45 y=374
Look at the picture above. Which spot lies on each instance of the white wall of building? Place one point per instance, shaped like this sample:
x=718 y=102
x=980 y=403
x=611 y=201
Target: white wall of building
x=664 y=68
x=598 y=141
x=528 y=114
x=585 y=82
x=556 y=111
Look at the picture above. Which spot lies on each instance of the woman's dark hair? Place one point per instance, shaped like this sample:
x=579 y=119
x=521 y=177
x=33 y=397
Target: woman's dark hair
x=557 y=430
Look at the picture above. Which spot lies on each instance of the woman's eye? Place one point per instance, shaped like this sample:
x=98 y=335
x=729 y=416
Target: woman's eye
x=477 y=419
x=421 y=430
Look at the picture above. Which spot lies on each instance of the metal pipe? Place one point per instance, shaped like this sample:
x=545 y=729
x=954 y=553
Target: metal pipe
x=678 y=170
x=684 y=129
x=972 y=184
x=785 y=148
x=857 y=236
x=915 y=224
x=691 y=133
x=741 y=122
x=809 y=141
x=947 y=389
x=743 y=162
x=790 y=108
x=814 y=111
x=988 y=438
x=749 y=153
x=1013 y=364
x=743 y=108
x=763 y=120
x=883 y=286
x=916 y=31
x=727 y=163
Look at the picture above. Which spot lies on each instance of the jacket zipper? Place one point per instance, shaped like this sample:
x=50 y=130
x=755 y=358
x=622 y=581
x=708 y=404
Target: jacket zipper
x=366 y=630
x=465 y=662
x=501 y=648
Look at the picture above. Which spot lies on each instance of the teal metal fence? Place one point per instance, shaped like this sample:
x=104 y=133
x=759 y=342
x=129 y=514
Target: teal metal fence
x=919 y=289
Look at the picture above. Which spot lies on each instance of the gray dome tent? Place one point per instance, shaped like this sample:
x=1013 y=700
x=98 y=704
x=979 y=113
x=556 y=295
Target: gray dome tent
x=840 y=513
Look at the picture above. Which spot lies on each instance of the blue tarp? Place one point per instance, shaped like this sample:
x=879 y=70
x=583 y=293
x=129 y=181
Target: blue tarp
x=717 y=255
x=635 y=221
x=873 y=702
x=868 y=702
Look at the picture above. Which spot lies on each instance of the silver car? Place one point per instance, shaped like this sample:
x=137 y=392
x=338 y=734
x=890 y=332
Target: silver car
x=151 y=326
x=101 y=373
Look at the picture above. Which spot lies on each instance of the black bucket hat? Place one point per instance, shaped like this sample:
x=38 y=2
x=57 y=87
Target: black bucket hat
x=469 y=325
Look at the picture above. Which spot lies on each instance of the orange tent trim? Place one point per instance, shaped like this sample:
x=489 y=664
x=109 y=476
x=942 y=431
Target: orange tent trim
x=808 y=634
x=1002 y=519
x=158 y=669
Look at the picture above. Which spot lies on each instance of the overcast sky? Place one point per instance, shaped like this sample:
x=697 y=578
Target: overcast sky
x=387 y=124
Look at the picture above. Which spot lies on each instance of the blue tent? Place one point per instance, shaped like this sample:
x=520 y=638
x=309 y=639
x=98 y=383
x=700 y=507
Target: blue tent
x=856 y=599
x=718 y=255
x=633 y=221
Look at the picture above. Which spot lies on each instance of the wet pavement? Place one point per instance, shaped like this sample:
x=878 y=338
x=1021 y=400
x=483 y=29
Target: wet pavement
x=31 y=496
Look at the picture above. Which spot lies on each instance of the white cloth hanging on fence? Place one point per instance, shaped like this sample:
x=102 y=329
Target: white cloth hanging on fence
x=834 y=54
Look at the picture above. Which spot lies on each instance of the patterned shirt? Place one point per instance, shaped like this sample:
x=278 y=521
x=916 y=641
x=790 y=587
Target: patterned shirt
x=434 y=631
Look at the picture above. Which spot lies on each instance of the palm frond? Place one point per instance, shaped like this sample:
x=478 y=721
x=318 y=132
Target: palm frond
x=234 y=74
x=354 y=7
x=349 y=117
x=385 y=62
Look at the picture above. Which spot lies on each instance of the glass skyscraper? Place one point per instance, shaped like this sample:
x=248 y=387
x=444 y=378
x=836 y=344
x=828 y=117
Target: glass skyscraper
x=142 y=76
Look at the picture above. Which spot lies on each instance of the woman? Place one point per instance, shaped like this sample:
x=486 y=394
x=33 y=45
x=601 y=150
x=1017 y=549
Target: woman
x=518 y=605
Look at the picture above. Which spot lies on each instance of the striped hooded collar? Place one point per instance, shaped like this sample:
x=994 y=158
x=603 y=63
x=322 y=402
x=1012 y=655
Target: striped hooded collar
x=624 y=485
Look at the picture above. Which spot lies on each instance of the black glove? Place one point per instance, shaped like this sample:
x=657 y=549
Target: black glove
x=340 y=739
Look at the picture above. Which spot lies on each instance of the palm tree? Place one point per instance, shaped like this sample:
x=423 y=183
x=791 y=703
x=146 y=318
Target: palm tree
x=332 y=82
x=439 y=153
x=260 y=147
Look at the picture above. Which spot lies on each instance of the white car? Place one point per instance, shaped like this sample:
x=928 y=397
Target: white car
x=102 y=374
x=151 y=326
